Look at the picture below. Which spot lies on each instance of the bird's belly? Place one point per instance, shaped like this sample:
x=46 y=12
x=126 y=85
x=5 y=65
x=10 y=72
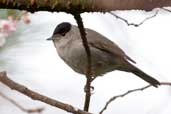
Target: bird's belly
x=102 y=62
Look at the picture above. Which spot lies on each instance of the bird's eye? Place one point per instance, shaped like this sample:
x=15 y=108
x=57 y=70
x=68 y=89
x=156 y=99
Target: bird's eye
x=63 y=34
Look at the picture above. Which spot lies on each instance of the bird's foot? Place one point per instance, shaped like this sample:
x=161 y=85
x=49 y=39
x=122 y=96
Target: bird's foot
x=89 y=89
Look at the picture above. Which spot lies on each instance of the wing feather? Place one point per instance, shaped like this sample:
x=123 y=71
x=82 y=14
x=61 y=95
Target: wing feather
x=105 y=44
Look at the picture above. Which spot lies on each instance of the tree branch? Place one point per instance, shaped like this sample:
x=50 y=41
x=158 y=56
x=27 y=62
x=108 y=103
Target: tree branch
x=83 y=5
x=47 y=5
x=88 y=69
x=36 y=96
x=128 y=92
x=38 y=110
x=148 y=5
x=134 y=24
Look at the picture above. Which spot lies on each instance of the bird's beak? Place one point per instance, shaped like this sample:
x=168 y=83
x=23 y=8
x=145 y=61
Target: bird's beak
x=51 y=38
x=54 y=37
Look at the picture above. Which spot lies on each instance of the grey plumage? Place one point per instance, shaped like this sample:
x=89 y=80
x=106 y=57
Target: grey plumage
x=106 y=56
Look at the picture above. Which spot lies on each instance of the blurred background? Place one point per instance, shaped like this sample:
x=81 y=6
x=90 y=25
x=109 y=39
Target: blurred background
x=31 y=60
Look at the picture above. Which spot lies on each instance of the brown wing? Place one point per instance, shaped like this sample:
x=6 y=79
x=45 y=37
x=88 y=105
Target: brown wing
x=105 y=44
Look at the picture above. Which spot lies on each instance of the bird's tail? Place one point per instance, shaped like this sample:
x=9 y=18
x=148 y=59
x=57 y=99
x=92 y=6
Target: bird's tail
x=145 y=76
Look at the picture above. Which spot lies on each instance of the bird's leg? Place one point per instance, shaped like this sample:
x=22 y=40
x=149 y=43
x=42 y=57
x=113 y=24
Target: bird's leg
x=86 y=88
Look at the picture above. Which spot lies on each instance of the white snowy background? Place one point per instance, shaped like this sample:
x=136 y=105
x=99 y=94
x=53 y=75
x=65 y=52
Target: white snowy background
x=32 y=61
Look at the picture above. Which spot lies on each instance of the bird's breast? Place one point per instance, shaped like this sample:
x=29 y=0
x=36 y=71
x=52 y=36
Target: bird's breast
x=74 y=54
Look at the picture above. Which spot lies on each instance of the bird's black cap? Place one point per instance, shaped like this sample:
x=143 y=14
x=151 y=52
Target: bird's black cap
x=62 y=28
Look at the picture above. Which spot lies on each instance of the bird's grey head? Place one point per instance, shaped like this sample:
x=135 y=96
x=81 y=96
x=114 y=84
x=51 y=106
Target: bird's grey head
x=61 y=30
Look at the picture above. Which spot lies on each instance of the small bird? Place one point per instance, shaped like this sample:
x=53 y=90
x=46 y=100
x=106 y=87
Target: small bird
x=106 y=56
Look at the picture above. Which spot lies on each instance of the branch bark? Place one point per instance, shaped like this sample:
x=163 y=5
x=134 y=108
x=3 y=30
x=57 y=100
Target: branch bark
x=36 y=96
x=88 y=70
x=147 y=5
x=83 y=5
x=34 y=110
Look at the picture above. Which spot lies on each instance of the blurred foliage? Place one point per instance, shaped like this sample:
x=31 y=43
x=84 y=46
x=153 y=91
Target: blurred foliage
x=8 y=20
x=4 y=13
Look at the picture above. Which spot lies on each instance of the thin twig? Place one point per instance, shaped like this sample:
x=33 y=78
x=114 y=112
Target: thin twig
x=88 y=72
x=38 y=110
x=128 y=92
x=165 y=9
x=134 y=24
x=36 y=96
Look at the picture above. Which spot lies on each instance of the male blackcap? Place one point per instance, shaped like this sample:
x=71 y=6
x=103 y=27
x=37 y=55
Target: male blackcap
x=106 y=56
